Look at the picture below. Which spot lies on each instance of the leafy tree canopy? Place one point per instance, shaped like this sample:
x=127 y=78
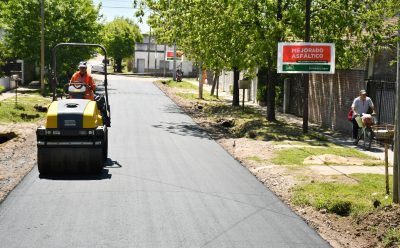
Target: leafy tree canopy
x=119 y=37
x=65 y=21
x=244 y=33
x=358 y=28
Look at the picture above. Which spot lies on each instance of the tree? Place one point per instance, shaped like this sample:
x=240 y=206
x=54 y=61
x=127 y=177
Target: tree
x=3 y=49
x=358 y=28
x=119 y=38
x=65 y=21
x=3 y=57
x=243 y=34
x=208 y=32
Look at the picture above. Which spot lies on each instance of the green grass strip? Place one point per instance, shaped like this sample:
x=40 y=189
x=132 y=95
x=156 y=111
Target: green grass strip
x=344 y=198
x=23 y=110
x=296 y=156
x=181 y=85
x=391 y=237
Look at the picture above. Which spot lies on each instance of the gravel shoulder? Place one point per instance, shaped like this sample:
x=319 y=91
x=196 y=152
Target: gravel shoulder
x=18 y=155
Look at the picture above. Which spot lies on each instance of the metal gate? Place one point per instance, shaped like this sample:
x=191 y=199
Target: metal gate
x=383 y=93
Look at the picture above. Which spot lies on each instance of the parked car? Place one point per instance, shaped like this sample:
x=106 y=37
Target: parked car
x=98 y=68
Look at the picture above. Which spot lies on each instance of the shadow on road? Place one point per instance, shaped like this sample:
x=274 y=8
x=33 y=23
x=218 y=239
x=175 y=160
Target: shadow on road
x=112 y=164
x=184 y=129
x=172 y=109
x=71 y=177
x=105 y=173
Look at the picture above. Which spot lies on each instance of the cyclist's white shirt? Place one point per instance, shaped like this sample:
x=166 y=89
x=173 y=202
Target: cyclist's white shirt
x=361 y=107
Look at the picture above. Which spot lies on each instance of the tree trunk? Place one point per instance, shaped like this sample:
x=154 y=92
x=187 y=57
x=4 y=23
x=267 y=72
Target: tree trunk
x=262 y=81
x=118 y=63
x=217 y=86
x=201 y=81
x=213 y=84
x=272 y=75
x=235 y=100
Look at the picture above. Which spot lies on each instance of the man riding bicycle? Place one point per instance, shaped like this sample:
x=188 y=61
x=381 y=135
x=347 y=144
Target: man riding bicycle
x=360 y=106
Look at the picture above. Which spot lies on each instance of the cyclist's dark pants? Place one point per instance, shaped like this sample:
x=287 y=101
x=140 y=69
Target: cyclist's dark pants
x=355 y=128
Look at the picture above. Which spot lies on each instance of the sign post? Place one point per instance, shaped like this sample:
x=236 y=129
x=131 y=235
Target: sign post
x=244 y=84
x=170 y=55
x=306 y=57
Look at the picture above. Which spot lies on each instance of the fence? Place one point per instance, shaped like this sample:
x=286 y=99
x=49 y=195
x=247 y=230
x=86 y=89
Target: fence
x=330 y=97
x=383 y=93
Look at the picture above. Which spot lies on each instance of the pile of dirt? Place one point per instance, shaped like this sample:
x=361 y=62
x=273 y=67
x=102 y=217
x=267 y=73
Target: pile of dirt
x=332 y=159
x=379 y=222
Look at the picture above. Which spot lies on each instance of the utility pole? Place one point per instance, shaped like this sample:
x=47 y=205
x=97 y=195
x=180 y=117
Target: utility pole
x=396 y=150
x=305 y=75
x=201 y=80
x=165 y=59
x=155 y=54
x=174 y=72
x=148 y=52
x=42 y=48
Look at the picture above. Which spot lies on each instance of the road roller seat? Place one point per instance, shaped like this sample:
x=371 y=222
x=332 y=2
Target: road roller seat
x=77 y=90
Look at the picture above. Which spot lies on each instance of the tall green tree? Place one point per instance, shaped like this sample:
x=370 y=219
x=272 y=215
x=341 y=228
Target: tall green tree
x=358 y=28
x=119 y=38
x=3 y=49
x=65 y=21
x=207 y=31
x=243 y=34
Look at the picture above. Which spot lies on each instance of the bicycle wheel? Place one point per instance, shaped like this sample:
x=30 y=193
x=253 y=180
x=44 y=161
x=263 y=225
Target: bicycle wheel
x=360 y=136
x=367 y=138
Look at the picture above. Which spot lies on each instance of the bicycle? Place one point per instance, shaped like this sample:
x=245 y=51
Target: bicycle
x=365 y=133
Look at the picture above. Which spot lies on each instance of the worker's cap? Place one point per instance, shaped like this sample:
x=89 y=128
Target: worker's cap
x=363 y=92
x=82 y=65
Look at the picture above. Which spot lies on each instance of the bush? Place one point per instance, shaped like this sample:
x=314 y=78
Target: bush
x=340 y=207
x=335 y=206
x=278 y=96
x=2 y=89
x=261 y=91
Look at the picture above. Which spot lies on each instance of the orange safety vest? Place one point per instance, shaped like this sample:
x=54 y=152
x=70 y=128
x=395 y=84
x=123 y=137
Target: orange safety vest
x=88 y=79
x=204 y=77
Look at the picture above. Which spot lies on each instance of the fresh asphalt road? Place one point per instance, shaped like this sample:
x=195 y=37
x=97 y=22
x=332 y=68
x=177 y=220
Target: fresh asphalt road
x=167 y=184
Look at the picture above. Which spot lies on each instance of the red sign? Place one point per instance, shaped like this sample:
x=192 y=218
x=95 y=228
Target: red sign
x=306 y=57
x=306 y=53
x=170 y=54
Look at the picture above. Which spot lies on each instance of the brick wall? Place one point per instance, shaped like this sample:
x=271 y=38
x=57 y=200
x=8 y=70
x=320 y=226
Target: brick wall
x=330 y=97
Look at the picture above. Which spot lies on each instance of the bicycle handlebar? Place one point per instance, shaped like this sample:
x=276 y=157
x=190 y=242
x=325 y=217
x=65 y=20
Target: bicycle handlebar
x=373 y=114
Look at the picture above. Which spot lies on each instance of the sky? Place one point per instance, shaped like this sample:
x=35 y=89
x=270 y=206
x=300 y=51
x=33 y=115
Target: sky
x=114 y=8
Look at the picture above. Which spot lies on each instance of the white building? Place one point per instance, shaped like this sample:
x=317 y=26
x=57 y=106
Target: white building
x=152 y=58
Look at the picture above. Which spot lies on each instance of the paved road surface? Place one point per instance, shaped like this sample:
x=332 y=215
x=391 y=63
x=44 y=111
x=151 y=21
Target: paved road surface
x=168 y=185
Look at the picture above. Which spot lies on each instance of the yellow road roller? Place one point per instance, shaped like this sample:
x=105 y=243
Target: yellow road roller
x=74 y=138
